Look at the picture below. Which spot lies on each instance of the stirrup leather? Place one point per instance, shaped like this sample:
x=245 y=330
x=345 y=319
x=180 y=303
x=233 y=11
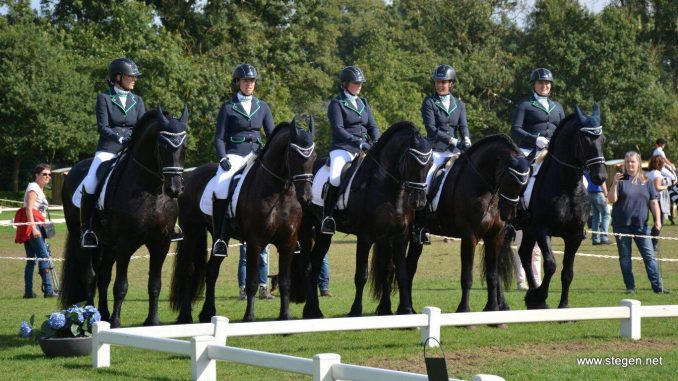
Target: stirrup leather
x=89 y=240
x=220 y=249
x=328 y=226
x=420 y=236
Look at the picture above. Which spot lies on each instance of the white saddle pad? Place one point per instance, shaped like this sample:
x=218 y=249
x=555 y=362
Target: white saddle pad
x=77 y=195
x=206 y=198
x=436 y=199
x=527 y=195
x=319 y=180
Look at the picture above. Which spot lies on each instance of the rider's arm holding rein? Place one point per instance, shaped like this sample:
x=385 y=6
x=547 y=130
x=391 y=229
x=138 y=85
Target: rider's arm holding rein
x=372 y=128
x=268 y=122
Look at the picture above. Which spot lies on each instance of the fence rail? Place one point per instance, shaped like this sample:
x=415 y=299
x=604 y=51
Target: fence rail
x=208 y=340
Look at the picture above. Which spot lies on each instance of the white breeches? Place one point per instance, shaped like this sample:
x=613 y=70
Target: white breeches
x=90 y=181
x=438 y=159
x=224 y=177
x=339 y=158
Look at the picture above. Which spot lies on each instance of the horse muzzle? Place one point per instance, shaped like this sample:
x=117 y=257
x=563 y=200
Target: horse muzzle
x=174 y=185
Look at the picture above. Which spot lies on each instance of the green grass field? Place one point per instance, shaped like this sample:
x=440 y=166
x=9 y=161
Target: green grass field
x=545 y=351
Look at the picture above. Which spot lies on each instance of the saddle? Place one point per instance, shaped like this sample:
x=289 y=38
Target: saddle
x=446 y=168
x=347 y=173
x=103 y=175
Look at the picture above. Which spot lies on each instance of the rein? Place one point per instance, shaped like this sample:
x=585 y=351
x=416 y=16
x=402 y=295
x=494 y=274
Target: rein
x=422 y=157
x=302 y=177
x=596 y=131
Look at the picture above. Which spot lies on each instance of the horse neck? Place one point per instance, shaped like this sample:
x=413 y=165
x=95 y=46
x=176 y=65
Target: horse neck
x=564 y=148
x=485 y=163
x=387 y=161
x=144 y=155
x=275 y=159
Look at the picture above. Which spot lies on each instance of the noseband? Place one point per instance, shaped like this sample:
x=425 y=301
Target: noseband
x=594 y=131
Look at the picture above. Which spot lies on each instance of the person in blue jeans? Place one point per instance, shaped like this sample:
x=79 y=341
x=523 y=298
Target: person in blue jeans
x=600 y=218
x=263 y=273
x=324 y=278
x=36 y=247
x=633 y=196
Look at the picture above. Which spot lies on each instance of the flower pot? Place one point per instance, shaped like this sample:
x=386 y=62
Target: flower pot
x=66 y=346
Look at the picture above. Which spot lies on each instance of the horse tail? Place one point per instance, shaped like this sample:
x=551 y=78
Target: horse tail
x=382 y=269
x=72 y=286
x=188 y=276
x=505 y=263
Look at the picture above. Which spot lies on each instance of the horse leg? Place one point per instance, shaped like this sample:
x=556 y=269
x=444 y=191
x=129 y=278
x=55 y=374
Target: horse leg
x=384 y=264
x=468 y=248
x=402 y=275
x=320 y=249
x=104 y=274
x=211 y=274
x=491 y=273
x=413 y=254
x=120 y=287
x=567 y=274
x=285 y=252
x=360 y=277
x=254 y=249
x=158 y=251
x=535 y=298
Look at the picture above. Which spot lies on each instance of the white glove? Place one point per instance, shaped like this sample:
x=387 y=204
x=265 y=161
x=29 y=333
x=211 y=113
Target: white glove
x=542 y=142
x=121 y=139
x=467 y=141
x=453 y=141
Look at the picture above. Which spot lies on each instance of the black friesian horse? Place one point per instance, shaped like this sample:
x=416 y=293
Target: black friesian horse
x=479 y=195
x=387 y=188
x=269 y=210
x=140 y=209
x=559 y=205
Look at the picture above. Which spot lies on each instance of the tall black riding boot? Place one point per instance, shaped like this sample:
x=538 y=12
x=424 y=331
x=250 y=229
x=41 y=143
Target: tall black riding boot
x=88 y=240
x=419 y=232
x=328 y=226
x=219 y=249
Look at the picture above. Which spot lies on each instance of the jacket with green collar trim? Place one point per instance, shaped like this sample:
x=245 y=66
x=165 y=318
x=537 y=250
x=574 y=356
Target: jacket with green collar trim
x=351 y=125
x=237 y=131
x=115 y=120
x=442 y=124
x=531 y=120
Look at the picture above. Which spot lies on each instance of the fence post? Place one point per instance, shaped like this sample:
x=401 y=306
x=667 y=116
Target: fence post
x=630 y=328
x=202 y=367
x=101 y=353
x=220 y=328
x=322 y=366
x=433 y=327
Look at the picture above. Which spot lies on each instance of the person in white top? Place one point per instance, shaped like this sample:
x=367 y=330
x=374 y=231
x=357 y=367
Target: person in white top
x=659 y=146
x=36 y=247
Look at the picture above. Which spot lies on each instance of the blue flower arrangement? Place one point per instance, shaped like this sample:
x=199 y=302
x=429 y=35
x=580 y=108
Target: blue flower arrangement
x=75 y=321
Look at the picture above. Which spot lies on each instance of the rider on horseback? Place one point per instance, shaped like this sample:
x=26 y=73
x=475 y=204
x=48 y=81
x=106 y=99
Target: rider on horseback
x=536 y=118
x=237 y=138
x=117 y=111
x=534 y=122
x=446 y=127
x=353 y=130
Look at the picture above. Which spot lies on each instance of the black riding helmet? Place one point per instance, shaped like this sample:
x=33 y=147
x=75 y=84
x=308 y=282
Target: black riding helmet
x=244 y=71
x=351 y=74
x=444 y=73
x=124 y=66
x=541 y=74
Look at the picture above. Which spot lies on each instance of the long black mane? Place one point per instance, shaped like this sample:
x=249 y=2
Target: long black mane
x=394 y=130
x=490 y=139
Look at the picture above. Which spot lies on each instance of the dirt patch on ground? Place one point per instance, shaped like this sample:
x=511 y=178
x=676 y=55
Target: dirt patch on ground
x=471 y=360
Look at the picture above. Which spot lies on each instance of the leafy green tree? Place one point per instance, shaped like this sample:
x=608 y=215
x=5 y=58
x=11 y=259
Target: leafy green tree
x=42 y=116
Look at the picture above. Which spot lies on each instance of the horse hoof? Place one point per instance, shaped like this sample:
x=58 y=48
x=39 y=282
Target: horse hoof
x=355 y=313
x=384 y=312
x=151 y=322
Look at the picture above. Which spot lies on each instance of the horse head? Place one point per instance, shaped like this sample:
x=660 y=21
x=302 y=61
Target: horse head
x=590 y=143
x=171 y=151
x=512 y=182
x=301 y=156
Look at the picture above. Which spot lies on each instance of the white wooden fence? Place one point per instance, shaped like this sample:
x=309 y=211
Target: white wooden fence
x=208 y=340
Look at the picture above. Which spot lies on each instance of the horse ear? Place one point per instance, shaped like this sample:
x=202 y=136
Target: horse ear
x=580 y=115
x=596 y=110
x=162 y=117
x=293 y=124
x=184 y=115
x=311 y=125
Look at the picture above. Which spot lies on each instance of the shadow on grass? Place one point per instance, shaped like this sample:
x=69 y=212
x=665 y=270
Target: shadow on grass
x=116 y=373
x=15 y=341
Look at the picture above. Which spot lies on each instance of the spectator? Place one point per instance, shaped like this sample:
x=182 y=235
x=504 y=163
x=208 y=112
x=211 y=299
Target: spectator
x=324 y=278
x=263 y=273
x=659 y=146
x=633 y=196
x=33 y=235
x=600 y=213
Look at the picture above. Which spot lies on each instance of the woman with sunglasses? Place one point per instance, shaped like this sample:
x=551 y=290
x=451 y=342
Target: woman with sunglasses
x=35 y=207
x=117 y=110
